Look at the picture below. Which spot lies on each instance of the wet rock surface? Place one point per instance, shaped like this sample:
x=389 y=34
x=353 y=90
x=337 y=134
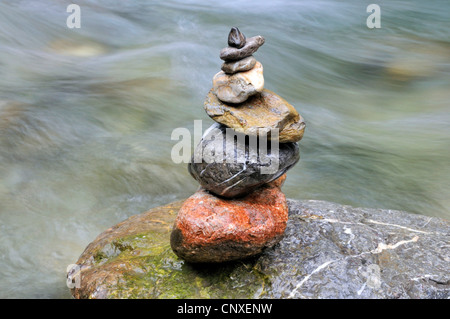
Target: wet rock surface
x=328 y=251
x=242 y=165
x=213 y=229
x=260 y=113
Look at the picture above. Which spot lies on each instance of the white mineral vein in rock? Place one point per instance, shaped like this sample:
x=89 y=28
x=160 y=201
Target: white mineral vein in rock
x=362 y=289
x=428 y=221
x=398 y=226
x=231 y=186
x=378 y=250
x=422 y=277
x=203 y=170
x=332 y=220
x=235 y=175
x=348 y=231
x=383 y=246
x=292 y=294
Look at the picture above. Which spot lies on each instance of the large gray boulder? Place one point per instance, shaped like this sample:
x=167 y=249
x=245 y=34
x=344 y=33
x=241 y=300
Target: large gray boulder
x=328 y=251
x=335 y=251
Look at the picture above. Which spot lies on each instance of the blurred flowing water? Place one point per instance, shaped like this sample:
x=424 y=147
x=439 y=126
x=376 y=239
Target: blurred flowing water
x=86 y=114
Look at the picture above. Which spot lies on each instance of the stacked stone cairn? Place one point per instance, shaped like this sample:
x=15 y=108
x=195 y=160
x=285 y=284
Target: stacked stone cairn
x=240 y=164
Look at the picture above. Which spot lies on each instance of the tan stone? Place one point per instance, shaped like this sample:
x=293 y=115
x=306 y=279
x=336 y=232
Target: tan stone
x=258 y=115
x=238 y=87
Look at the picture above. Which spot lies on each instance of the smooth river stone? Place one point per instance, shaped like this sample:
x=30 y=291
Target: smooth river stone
x=258 y=115
x=251 y=46
x=238 y=87
x=239 y=66
x=231 y=169
x=212 y=229
x=236 y=38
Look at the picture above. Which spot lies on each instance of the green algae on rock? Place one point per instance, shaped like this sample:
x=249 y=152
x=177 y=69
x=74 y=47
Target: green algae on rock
x=133 y=259
x=334 y=257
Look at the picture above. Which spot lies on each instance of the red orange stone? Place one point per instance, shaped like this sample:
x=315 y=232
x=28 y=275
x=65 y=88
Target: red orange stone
x=214 y=229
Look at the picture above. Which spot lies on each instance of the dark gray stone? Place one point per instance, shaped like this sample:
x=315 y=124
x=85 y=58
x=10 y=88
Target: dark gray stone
x=251 y=45
x=335 y=251
x=236 y=38
x=241 y=166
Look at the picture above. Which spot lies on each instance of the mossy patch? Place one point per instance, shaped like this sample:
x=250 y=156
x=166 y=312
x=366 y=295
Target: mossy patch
x=154 y=271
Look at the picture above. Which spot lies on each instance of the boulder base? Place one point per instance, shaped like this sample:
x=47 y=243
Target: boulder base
x=327 y=251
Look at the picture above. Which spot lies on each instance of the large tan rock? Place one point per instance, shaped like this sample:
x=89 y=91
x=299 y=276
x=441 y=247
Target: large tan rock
x=239 y=66
x=238 y=87
x=133 y=259
x=258 y=115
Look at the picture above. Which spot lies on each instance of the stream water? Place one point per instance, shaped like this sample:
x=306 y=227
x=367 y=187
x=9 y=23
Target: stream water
x=86 y=115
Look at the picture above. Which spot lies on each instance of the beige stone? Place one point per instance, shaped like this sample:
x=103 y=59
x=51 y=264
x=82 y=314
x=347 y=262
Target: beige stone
x=259 y=114
x=238 y=87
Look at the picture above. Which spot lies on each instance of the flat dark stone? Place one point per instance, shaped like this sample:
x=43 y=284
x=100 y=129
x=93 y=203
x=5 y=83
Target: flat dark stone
x=251 y=46
x=328 y=251
x=246 y=171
